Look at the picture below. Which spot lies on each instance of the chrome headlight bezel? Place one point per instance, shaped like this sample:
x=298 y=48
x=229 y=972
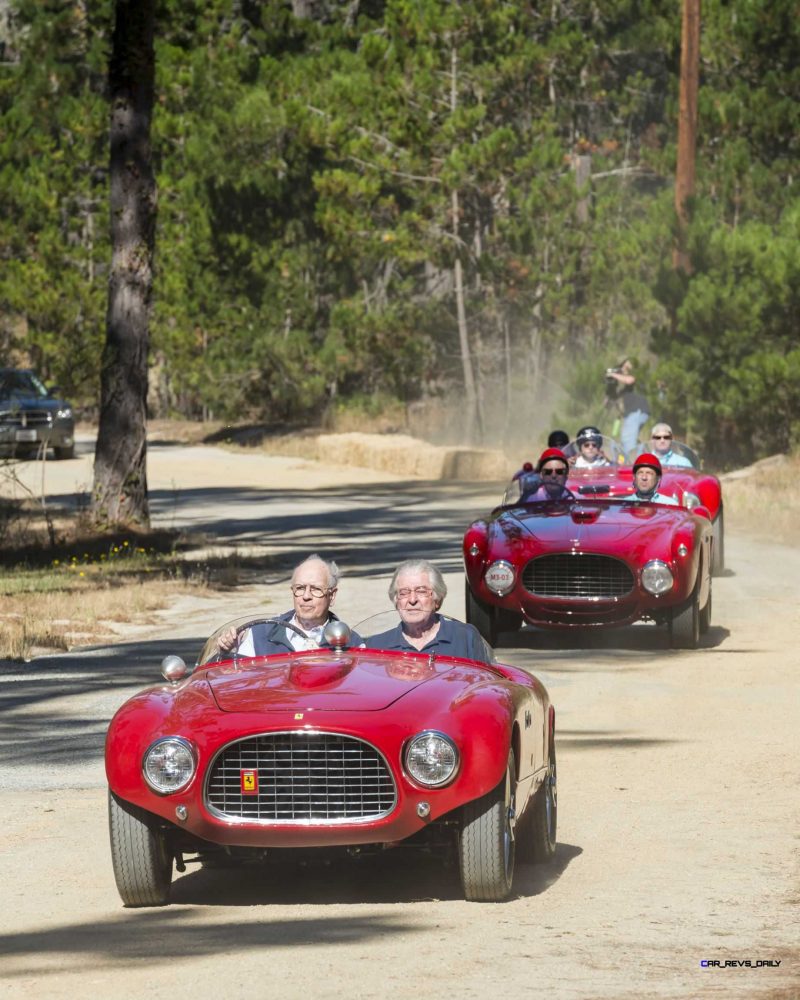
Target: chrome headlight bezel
x=448 y=766
x=507 y=571
x=180 y=749
x=657 y=578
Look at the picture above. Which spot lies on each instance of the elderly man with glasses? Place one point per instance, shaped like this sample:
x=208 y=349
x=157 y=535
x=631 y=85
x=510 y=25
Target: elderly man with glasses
x=417 y=590
x=661 y=443
x=315 y=582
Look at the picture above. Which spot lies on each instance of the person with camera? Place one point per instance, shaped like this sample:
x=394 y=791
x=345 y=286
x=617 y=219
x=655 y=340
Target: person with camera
x=635 y=408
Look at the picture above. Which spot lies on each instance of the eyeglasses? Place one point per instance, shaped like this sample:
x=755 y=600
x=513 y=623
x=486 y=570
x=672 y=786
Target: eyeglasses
x=589 y=444
x=554 y=472
x=298 y=589
x=661 y=437
x=405 y=592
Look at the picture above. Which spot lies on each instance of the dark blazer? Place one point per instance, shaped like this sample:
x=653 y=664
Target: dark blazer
x=272 y=638
x=454 y=638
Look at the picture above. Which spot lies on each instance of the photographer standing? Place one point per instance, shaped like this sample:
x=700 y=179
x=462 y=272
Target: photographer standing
x=635 y=408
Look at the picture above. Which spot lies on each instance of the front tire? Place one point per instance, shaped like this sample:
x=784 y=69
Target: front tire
x=718 y=548
x=684 y=629
x=64 y=453
x=705 y=614
x=507 y=621
x=140 y=855
x=482 y=616
x=486 y=842
x=536 y=841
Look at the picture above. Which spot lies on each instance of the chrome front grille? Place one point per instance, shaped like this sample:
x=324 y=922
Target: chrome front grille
x=25 y=418
x=300 y=777
x=577 y=575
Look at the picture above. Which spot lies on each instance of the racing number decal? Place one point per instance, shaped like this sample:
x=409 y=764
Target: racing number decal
x=249 y=782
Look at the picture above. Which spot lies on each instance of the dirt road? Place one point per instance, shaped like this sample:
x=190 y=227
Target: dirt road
x=678 y=790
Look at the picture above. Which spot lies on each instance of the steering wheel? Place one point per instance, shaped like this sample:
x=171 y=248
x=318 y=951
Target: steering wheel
x=233 y=652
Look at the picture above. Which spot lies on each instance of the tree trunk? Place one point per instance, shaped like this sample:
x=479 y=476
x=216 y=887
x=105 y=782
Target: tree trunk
x=471 y=415
x=120 y=474
x=687 y=128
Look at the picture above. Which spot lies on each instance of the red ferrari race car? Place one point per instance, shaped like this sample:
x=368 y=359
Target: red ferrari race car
x=597 y=561
x=687 y=482
x=252 y=759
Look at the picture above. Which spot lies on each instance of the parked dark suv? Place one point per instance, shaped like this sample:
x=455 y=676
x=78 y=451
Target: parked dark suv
x=31 y=417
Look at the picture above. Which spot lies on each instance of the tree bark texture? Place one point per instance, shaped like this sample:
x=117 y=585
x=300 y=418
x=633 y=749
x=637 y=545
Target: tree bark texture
x=120 y=474
x=687 y=126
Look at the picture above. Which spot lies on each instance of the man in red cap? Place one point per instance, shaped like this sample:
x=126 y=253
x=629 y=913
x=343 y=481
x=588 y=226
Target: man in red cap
x=549 y=482
x=646 y=477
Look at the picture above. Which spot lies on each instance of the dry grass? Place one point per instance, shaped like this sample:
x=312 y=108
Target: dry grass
x=55 y=620
x=764 y=502
x=55 y=595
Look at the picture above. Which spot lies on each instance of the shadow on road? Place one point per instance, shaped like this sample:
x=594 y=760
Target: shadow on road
x=173 y=932
x=359 y=527
x=36 y=725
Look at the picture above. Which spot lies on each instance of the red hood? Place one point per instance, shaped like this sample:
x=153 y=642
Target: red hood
x=594 y=527
x=349 y=681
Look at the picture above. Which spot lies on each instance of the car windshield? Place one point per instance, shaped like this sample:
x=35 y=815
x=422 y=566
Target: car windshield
x=608 y=452
x=230 y=639
x=213 y=651
x=21 y=383
x=679 y=454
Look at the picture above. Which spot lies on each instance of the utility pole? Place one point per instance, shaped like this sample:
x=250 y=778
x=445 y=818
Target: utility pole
x=687 y=127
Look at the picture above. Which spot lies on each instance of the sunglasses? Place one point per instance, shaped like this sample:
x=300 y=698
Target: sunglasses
x=554 y=472
x=661 y=437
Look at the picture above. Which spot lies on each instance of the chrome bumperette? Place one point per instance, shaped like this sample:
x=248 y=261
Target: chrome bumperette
x=304 y=778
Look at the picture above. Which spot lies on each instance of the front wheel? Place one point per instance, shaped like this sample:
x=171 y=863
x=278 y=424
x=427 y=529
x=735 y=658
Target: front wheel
x=718 y=549
x=536 y=841
x=705 y=614
x=482 y=616
x=139 y=853
x=64 y=453
x=486 y=842
x=685 y=626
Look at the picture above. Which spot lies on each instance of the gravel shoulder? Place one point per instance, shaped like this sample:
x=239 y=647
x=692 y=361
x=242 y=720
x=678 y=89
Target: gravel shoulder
x=678 y=792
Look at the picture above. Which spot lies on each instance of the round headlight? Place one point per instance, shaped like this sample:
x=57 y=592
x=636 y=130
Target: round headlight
x=169 y=765
x=690 y=500
x=431 y=759
x=499 y=577
x=656 y=577
x=65 y=413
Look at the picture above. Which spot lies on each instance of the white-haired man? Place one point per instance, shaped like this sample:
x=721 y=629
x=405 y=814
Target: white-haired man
x=661 y=443
x=417 y=590
x=314 y=584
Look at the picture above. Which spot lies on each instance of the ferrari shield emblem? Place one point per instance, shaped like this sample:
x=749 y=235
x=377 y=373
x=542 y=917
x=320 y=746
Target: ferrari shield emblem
x=249 y=782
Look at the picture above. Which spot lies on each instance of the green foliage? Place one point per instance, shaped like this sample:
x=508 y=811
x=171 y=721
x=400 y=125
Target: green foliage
x=53 y=229
x=308 y=172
